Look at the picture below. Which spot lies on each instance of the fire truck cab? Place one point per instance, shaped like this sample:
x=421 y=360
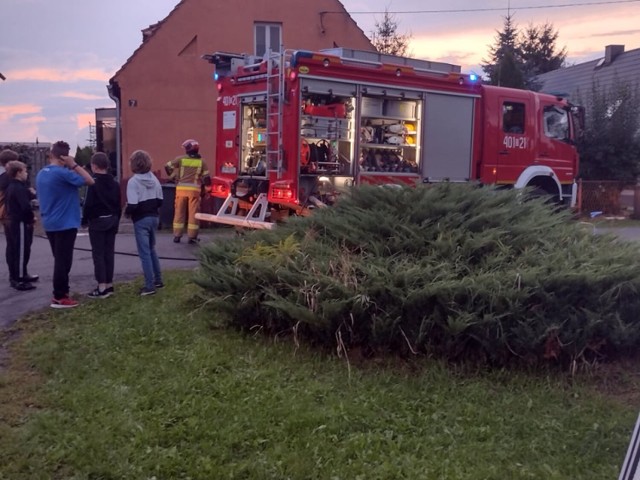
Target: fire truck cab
x=298 y=128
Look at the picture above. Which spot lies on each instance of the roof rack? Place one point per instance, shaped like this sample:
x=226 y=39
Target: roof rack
x=227 y=63
x=376 y=58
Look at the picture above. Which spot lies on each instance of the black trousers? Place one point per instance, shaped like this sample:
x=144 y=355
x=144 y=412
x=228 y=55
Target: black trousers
x=19 y=239
x=62 y=244
x=103 y=244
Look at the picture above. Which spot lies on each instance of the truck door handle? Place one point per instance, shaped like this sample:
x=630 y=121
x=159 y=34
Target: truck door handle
x=544 y=154
x=503 y=152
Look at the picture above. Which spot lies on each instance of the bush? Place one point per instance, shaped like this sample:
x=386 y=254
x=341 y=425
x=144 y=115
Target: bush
x=448 y=270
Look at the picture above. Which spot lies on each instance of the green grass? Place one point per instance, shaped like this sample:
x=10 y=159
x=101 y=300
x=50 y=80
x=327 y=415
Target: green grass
x=151 y=388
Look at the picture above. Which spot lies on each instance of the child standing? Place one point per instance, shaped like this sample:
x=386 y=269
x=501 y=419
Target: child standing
x=144 y=198
x=19 y=227
x=102 y=214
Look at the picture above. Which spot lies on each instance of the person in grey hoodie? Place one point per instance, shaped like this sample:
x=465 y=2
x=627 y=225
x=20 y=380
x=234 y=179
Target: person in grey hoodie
x=144 y=198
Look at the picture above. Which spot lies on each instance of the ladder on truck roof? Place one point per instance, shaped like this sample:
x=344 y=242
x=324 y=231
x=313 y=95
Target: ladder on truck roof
x=277 y=63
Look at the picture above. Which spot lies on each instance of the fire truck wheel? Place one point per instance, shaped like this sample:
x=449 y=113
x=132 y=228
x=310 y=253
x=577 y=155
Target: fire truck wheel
x=539 y=192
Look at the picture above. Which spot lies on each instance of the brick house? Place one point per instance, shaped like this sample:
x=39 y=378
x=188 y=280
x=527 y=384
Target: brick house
x=165 y=92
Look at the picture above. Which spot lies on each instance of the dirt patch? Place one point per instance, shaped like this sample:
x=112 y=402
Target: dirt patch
x=6 y=338
x=618 y=380
x=19 y=381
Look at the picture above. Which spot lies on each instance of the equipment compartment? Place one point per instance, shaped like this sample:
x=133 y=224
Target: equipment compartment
x=389 y=141
x=326 y=135
x=254 y=138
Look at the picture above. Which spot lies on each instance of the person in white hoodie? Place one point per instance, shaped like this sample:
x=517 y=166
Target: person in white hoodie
x=144 y=198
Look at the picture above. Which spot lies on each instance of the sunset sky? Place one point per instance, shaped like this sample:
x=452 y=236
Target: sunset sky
x=58 y=55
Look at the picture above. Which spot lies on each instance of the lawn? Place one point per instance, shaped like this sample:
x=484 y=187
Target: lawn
x=158 y=388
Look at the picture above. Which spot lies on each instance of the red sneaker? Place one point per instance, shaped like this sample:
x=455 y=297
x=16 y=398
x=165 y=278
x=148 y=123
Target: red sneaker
x=64 y=302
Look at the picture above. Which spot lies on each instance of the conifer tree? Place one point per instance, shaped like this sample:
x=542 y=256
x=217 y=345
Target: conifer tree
x=386 y=39
x=504 y=66
x=539 y=53
x=517 y=57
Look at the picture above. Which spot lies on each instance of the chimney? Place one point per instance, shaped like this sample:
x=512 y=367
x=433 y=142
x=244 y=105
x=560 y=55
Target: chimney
x=611 y=52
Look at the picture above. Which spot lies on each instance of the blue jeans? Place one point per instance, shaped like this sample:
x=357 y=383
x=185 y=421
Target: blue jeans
x=145 y=231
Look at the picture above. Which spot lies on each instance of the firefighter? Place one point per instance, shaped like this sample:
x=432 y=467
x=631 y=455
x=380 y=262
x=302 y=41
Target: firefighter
x=190 y=174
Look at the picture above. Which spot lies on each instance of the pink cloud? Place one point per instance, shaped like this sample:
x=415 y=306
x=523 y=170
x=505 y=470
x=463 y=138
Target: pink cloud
x=21 y=129
x=82 y=96
x=31 y=120
x=58 y=75
x=83 y=119
x=8 y=112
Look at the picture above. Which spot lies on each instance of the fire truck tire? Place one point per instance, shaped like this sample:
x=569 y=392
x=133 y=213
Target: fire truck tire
x=549 y=198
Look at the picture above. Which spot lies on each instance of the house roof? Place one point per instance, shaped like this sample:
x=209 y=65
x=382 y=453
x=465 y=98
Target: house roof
x=578 y=80
x=149 y=32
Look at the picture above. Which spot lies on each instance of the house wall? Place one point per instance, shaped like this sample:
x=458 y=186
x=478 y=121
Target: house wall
x=577 y=81
x=167 y=91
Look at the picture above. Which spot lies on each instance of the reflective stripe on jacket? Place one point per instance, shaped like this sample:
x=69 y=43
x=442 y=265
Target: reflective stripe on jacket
x=189 y=174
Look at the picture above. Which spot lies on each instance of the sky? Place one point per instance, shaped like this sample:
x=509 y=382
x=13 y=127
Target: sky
x=58 y=55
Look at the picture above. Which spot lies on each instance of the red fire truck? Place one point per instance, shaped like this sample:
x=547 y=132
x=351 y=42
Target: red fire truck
x=295 y=129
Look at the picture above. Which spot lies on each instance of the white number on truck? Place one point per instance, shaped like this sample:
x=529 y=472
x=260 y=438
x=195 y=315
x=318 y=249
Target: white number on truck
x=229 y=100
x=515 y=142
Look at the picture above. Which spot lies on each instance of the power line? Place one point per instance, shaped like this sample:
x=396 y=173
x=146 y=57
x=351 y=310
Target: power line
x=468 y=10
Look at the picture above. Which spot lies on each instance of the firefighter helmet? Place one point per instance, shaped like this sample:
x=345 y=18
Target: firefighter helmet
x=191 y=145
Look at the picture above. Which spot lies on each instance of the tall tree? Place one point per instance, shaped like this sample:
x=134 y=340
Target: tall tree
x=83 y=155
x=386 y=39
x=610 y=146
x=539 y=52
x=516 y=58
x=504 y=66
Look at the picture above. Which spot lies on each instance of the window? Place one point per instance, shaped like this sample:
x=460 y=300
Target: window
x=556 y=123
x=268 y=36
x=513 y=117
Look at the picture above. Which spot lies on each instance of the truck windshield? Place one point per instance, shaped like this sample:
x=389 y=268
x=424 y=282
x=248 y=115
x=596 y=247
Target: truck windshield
x=556 y=123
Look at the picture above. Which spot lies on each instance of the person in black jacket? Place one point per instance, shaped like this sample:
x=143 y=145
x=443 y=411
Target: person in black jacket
x=101 y=213
x=19 y=226
x=6 y=156
x=144 y=198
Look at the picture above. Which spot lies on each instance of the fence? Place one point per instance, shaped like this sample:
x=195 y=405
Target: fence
x=605 y=197
x=33 y=154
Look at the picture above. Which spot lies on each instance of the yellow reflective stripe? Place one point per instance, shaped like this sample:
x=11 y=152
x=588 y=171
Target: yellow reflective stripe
x=192 y=162
x=191 y=226
x=190 y=187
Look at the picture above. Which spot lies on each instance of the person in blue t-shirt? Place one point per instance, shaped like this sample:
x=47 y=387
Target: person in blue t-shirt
x=57 y=185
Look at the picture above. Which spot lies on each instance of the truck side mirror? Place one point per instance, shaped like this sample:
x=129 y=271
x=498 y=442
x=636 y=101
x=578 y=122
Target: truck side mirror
x=578 y=115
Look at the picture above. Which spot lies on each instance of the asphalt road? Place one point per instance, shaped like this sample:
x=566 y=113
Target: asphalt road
x=625 y=233
x=15 y=304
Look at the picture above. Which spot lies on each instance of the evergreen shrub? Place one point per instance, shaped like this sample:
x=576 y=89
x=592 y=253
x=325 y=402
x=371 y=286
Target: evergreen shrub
x=449 y=270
